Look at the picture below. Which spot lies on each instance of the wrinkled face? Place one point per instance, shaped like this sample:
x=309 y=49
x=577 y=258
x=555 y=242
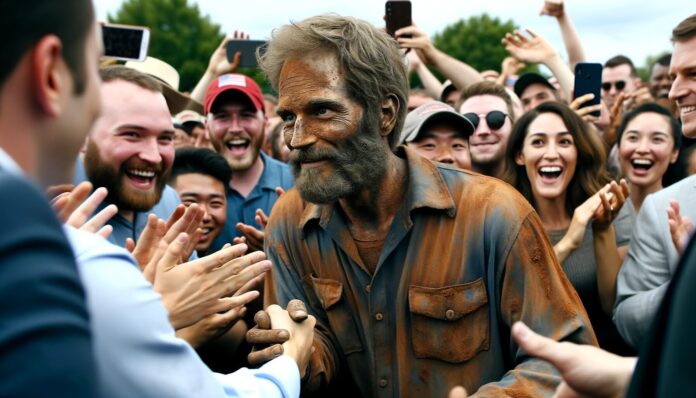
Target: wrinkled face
x=646 y=150
x=442 y=143
x=683 y=92
x=617 y=76
x=549 y=157
x=660 y=82
x=130 y=150
x=78 y=116
x=534 y=95
x=236 y=128
x=487 y=145
x=335 y=146
x=209 y=194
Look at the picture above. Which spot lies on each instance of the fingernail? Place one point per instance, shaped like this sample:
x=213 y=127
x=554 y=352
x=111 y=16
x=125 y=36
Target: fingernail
x=284 y=334
x=277 y=350
x=522 y=331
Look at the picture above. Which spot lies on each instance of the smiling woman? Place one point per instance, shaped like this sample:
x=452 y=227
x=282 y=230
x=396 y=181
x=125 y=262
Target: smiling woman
x=558 y=164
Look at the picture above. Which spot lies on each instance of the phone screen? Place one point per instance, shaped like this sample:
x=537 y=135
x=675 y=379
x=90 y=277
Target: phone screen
x=397 y=15
x=247 y=49
x=588 y=79
x=125 y=42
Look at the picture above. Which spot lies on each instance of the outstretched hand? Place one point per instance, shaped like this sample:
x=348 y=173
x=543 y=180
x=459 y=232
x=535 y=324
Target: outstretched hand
x=219 y=64
x=533 y=49
x=587 y=371
x=680 y=228
x=267 y=341
x=76 y=208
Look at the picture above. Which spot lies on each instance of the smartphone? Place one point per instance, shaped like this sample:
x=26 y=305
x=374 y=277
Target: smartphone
x=588 y=79
x=125 y=42
x=397 y=15
x=247 y=48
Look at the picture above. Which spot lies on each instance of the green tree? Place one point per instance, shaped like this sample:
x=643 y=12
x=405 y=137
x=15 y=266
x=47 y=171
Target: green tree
x=476 y=41
x=179 y=34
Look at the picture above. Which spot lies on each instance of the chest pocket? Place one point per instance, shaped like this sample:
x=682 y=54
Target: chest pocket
x=330 y=295
x=449 y=323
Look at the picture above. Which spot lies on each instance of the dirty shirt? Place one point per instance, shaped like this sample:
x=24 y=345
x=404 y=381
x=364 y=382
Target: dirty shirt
x=465 y=257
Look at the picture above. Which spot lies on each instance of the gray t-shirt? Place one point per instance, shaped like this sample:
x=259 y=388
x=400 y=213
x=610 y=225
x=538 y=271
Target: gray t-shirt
x=581 y=269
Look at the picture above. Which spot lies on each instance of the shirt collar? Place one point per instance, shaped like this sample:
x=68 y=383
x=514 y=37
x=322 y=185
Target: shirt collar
x=8 y=164
x=426 y=189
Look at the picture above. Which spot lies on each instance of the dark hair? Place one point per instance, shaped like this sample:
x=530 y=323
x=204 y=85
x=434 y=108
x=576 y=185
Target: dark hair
x=664 y=60
x=619 y=60
x=487 y=88
x=685 y=30
x=370 y=61
x=24 y=23
x=120 y=72
x=651 y=107
x=590 y=172
x=189 y=160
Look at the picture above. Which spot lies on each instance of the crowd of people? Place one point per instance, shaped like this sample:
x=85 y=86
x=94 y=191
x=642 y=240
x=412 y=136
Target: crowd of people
x=347 y=235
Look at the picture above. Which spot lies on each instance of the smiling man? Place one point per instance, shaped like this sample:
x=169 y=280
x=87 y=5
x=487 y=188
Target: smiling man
x=235 y=121
x=200 y=175
x=414 y=270
x=130 y=151
x=489 y=108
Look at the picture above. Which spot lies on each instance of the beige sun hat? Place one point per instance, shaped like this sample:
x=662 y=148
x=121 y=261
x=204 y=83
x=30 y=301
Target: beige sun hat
x=166 y=74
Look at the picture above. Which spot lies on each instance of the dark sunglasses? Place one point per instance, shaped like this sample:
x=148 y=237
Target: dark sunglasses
x=619 y=84
x=494 y=119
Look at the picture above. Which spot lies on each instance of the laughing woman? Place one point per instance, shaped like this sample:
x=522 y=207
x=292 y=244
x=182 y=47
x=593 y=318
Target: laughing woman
x=558 y=164
x=648 y=140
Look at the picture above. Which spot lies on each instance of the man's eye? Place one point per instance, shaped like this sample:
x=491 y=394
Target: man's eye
x=289 y=118
x=323 y=111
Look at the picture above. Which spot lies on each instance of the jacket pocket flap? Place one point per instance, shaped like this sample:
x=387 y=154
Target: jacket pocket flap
x=448 y=303
x=328 y=290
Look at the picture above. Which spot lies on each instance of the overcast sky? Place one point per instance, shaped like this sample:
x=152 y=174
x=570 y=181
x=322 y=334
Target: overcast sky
x=636 y=28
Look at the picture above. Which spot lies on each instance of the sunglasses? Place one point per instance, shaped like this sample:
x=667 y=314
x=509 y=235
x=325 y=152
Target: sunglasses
x=619 y=84
x=494 y=119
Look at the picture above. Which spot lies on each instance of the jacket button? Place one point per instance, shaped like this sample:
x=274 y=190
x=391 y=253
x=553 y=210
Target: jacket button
x=367 y=288
x=383 y=382
x=449 y=314
x=379 y=316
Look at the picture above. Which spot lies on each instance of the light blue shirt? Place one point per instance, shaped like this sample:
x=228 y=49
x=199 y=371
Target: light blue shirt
x=136 y=349
x=263 y=196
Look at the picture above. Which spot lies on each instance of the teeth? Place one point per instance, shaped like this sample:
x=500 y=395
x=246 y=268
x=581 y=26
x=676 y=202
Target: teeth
x=206 y=231
x=687 y=109
x=141 y=173
x=642 y=162
x=237 y=142
x=550 y=169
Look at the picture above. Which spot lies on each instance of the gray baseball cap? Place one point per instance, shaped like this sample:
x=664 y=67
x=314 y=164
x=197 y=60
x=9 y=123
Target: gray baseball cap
x=433 y=111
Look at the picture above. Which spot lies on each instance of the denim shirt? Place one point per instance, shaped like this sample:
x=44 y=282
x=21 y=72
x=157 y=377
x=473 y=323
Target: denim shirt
x=263 y=196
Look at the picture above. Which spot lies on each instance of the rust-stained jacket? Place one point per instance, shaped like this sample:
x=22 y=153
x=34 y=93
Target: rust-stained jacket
x=466 y=257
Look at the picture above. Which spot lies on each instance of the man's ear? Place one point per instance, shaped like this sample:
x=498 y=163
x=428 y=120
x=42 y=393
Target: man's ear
x=49 y=75
x=388 y=110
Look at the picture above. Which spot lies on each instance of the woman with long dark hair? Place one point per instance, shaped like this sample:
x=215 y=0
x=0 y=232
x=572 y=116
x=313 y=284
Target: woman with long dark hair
x=558 y=164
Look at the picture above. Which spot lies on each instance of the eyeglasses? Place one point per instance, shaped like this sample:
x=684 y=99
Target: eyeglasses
x=494 y=119
x=619 y=84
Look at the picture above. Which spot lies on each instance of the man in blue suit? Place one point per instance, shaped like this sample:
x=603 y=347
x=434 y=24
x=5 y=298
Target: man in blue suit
x=48 y=95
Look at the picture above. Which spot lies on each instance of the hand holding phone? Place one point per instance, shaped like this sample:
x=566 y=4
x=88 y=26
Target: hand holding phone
x=125 y=42
x=397 y=15
x=247 y=48
x=588 y=80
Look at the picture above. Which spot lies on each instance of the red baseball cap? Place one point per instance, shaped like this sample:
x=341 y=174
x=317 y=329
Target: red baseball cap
x=233 y=81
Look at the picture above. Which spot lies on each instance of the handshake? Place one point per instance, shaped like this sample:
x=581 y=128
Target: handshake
x=279 y=332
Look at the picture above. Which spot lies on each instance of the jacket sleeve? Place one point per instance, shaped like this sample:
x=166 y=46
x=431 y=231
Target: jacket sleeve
x=533 y=289
x=645 y=273
x=45 y=335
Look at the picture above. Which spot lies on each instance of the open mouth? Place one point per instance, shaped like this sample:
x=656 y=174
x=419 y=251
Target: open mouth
x=550 y=174
x=641 y=165
x=142 y=179
x=238 y=146
x=687 y=109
